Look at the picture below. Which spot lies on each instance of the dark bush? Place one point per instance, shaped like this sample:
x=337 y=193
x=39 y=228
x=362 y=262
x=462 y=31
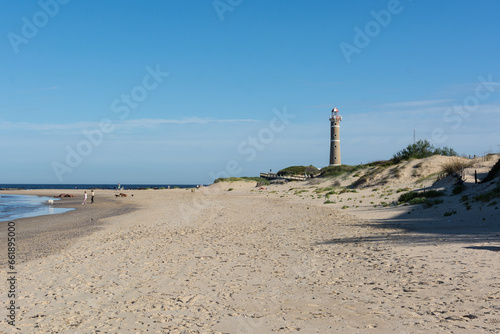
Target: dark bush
x=298 y=170
x=459 y=188
x=421 y=149
x=408 y=197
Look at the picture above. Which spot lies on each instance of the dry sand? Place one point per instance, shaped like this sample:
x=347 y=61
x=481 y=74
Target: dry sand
x=270 y=260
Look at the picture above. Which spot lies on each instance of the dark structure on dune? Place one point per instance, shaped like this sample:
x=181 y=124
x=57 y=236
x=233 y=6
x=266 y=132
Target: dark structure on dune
x=335 y=119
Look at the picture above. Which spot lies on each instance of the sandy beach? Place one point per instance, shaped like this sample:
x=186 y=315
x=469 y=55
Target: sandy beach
x=255 y=260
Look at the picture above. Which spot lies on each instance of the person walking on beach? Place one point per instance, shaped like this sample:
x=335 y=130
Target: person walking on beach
x=85 y=198
x=92 y=197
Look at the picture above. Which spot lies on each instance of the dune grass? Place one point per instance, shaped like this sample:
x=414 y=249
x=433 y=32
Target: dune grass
x=244 y=179
x=414 y=197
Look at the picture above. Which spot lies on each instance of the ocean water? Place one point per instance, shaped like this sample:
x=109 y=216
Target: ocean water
x=23 y=206
x=92 y=186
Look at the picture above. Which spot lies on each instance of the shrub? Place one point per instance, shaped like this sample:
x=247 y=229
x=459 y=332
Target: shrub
x=311 y=170
x=419 y=197
x=418 y=200
x=230 y=189
x=433 y=193
x=320 y=190
x=421 y=149
x=327 y=195
x=446 y=151
x=449 y=213
x=298 y=170
x=459 y=188
x=455 y=166
x=406 y=197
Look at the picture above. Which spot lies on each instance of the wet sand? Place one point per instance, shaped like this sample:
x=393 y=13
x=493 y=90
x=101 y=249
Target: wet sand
x=41 y=236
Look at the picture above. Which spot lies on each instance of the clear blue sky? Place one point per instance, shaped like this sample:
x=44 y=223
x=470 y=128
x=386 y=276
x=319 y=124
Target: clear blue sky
x=183 y=91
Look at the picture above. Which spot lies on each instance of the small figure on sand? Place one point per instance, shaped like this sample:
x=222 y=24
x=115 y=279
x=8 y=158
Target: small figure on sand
x=92 y=197
x=85 y=198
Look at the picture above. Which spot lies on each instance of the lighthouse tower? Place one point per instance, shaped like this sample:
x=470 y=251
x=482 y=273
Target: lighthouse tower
x=335 y=119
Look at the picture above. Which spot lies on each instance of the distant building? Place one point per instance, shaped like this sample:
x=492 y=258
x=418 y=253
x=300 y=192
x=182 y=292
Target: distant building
x=335 y=119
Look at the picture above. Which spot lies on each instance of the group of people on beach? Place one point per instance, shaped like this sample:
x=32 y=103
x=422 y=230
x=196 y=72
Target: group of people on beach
x=91 y=197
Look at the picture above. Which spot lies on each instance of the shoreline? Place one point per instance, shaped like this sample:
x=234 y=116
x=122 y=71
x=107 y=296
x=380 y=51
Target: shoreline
x=44 y=235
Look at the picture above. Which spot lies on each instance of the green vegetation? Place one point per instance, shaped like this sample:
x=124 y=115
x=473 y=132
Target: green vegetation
x=321 y=190
x=421 y=149
x=429 y=202
x=413 y=197
x=449 y=213
x=428 y=177
x=347 y=190
x=457 y=189
x=328 y=194
x=455 y=166
x=298 y=170
x=245 y=179
x=334 y=171
x=489 y=196
x=417 y=200
x=345 y=170
x=230 y=189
